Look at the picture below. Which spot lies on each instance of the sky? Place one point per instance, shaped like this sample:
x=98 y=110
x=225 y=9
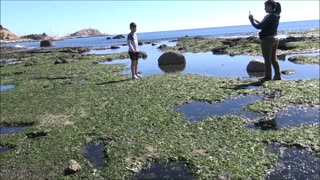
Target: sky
x=60 y=18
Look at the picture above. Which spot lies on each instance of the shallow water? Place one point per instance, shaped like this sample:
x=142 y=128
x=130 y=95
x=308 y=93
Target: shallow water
x=293 y=163
x=95 y=154
x=289 y=117
x=6 y=87
x=207 y=64
x=198 y=111
x=173 y=170
x=10 y=130
x=294 y=116
x=4 y=149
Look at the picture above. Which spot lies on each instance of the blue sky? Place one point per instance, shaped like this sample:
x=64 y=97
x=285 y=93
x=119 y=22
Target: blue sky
x=59 y=18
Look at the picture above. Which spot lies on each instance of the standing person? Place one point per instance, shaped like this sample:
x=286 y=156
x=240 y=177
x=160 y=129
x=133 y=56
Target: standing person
x=269 y=41
x=132 y=40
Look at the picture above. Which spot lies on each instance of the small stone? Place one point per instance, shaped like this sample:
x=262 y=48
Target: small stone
x=73 y=166
x=288 y=72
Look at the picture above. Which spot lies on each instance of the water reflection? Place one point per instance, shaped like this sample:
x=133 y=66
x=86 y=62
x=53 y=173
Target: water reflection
x=292 y=116
x=95 y=154
x=4 y=149
x=198 y=111
x=10 y=130
x=172 y=68
x=293 y=163
x=6 y=87
x=173 y=170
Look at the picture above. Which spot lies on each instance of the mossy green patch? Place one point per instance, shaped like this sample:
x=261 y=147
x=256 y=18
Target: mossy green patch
x=305 y=59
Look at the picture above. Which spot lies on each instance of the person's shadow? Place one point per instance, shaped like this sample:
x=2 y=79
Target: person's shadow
x=113 y=82
x=248 y=85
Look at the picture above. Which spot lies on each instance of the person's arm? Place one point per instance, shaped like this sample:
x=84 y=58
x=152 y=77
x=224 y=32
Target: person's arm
x=263 y=23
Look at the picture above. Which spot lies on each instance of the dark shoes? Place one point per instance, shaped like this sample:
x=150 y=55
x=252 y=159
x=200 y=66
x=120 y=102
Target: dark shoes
x=275 y=78
x=264 y=79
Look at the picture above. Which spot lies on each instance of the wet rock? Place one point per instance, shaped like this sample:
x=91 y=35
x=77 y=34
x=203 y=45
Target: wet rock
x=281 y=56
x=140 y=43
x=143 y=55
x=162 y=46
x=118 y=37
x=108 y=38
x=29 y=63
x=267 y=123
x=46 y=43
x=114 y=47
x=34 y=135
x=62 y=60
x=83 y=50
x=153 y=44
x=288 y=72
x=256 y=66
x=73 y=166
x=171 y=58
x=282 y=44
x=219 y=50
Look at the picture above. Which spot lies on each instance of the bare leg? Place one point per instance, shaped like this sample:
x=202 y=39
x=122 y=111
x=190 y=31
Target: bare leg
x=136 y=68
x=132 y=68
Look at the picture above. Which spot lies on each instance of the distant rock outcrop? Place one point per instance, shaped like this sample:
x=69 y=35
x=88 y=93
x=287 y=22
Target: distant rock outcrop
x=36 y=36
x=120 y=36
x=87 y=33
x=6 y=34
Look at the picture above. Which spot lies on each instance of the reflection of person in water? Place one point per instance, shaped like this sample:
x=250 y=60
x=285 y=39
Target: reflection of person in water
x=269 y=41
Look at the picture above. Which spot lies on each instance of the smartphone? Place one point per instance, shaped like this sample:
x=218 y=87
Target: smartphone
x=250 y=13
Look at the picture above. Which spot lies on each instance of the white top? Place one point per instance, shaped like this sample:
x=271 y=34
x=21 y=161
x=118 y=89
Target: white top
x=132 y=41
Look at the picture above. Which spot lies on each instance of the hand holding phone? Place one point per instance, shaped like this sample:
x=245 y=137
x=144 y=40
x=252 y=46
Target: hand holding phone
x=250 y=16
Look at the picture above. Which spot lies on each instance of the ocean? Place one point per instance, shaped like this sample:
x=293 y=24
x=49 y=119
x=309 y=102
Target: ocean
x=230 y=31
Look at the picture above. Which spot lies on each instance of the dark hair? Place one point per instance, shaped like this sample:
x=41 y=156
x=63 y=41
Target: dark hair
x=277 y=10
x=271 y=3
x=275 y=6
x=133 y=25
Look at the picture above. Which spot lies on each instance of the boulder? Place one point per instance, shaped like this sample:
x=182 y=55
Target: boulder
x=46 y=43
x=171 y=58
x=119 y=37
x=256 y=66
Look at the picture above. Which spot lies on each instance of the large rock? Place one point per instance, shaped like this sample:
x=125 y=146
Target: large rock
x=256 y=66
x=118 y=37
x=46 y=43
x=171 y=58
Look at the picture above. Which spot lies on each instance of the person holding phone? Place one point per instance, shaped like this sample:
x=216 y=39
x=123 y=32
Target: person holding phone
x=269 y=41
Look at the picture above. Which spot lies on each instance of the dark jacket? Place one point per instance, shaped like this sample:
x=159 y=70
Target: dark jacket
x=269 y=26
